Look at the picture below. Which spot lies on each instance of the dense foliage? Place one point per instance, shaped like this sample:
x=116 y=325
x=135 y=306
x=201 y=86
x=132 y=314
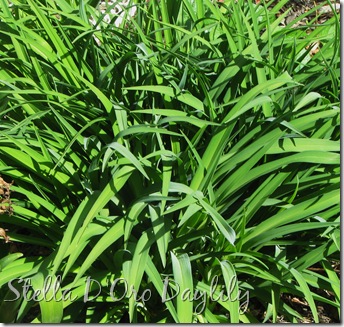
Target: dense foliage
x=195 y=145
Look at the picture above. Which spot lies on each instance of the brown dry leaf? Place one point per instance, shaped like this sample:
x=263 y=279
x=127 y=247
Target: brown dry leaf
x=5 y=189
x=4 y=235
x=5 y=200
x=4 y=184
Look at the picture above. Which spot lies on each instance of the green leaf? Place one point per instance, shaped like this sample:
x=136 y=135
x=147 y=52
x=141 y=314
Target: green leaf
x=9 y=259
x=111 y=236
x=227 y=231
x=308 y=98
x=49 y=296
x=184 y=97
x=182 y=274
x=137 y=268
x=307 y=293
x=127 y=154
x=155 y=277
x=161 y=233
x=297 y=212
x=231 y=282
x=87 y=210
x=303 y=144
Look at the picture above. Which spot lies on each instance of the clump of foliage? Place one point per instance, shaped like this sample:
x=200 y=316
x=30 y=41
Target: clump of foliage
x=196 y=141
